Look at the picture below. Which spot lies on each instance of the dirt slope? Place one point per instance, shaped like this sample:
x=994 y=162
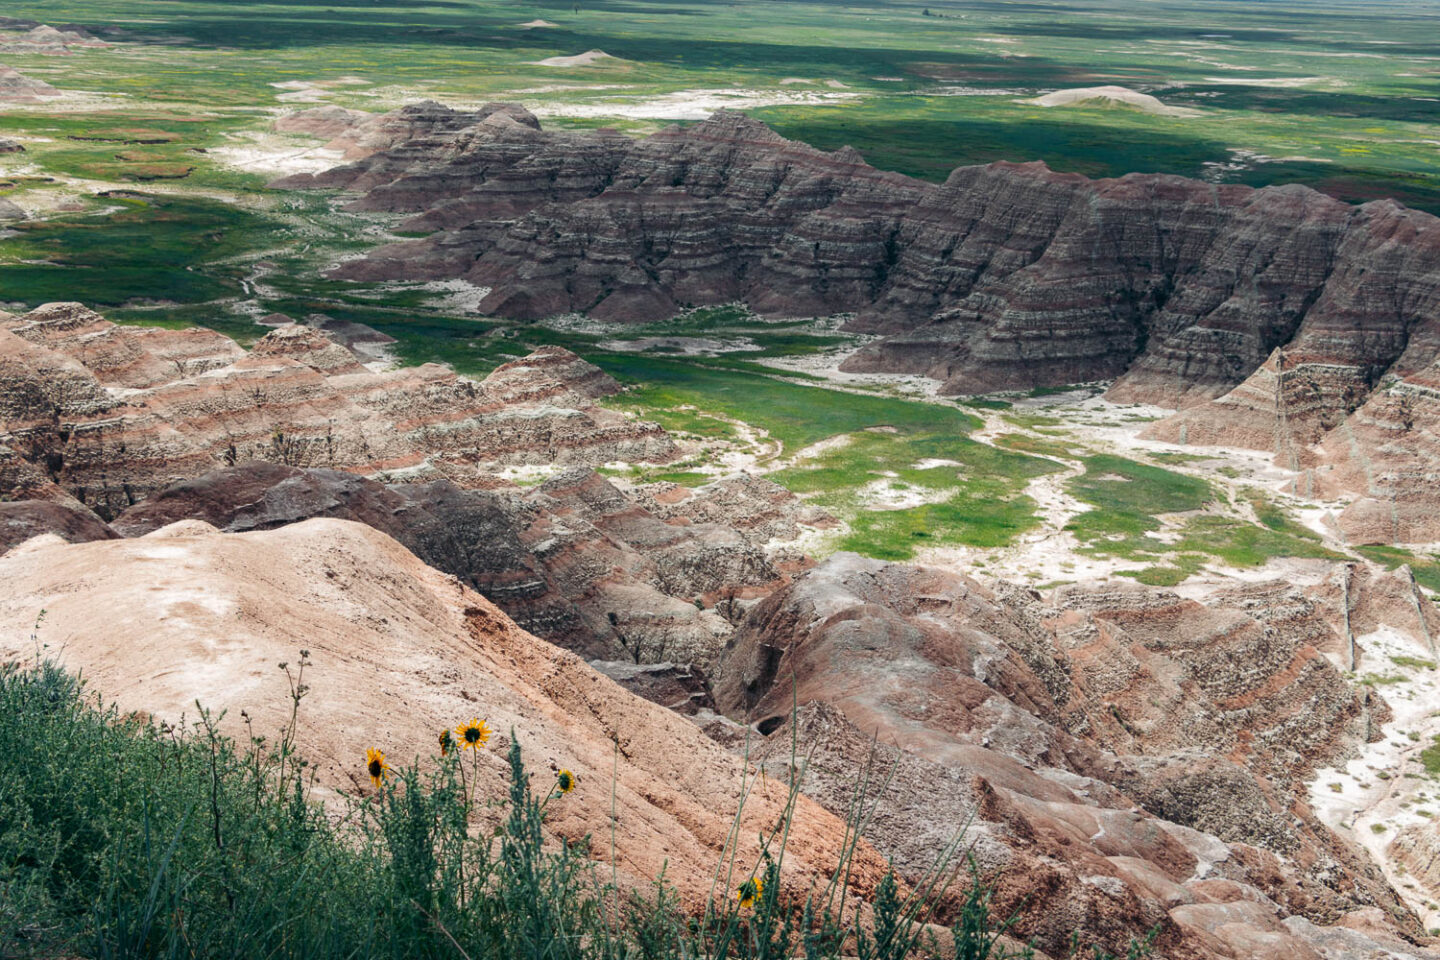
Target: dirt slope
x=399 y=651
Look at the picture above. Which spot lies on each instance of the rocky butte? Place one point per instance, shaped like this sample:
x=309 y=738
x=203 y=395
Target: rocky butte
x=1282 y=319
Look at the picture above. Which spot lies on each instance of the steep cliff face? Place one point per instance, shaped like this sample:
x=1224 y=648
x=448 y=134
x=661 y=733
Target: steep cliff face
x=1005 y=276
x=112 y=414
x=1132 y=757
x=1275 y=313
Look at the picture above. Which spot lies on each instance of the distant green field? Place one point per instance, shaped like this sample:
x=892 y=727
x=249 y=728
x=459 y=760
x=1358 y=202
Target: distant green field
x=1339 y=95
x=150 y=187
x=1342 y=96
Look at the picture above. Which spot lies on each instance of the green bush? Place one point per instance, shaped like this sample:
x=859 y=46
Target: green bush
x=121 y=838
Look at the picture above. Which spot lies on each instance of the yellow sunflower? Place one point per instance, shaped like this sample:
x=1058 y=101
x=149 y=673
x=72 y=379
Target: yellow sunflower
x=447 y=742
x=473 y=735
x=565 y=781
x=749 y=892
x=376 y=766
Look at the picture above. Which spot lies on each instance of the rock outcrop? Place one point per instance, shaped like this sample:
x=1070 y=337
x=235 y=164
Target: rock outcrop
x=150 y=427
x=22 y=520
x=357 y=134
x=31 y=36
x=1375 y=444
x=650 y=590
x=113 y=414
x=1284 y=306
x=15 y=87
x=1130 y=758
x=397 y=652
x=573 y=561
x=1007 y=275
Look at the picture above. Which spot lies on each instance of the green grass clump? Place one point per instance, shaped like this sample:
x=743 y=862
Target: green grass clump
x=1425 y=569
x=122 y=838
x=1165 y=456
x=1430 y=757
x=1040 y=446
x=1126 y=497
x=1275 y=517
x=1413 y=663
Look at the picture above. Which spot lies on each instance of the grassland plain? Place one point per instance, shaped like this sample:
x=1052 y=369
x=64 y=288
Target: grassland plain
x=148 y=184
x=1340 y=95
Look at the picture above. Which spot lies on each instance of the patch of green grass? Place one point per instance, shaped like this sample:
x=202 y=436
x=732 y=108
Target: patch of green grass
x=1034 y=421
x=149 y=248
x=1128 y=497
x=237 y=327
x=124 y=838
x=968 y=517
x=1027 y=443
x=1166 y=456
x=1425 y=569
x=1181 y=568
x=1413 y=663
x=1277 y=519
x=1430 y=757
x=978 y=503
x=793 y=414
x=1241 y=544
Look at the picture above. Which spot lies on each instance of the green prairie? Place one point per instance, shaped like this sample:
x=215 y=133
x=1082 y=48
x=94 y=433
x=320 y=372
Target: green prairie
x=148 y=184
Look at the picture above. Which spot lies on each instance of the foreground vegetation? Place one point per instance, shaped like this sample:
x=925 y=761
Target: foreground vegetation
x=123 y=838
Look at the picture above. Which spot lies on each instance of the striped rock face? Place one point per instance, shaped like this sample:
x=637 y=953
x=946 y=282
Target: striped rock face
x=113 y=414
x=1125 y=757
x=1275 y=313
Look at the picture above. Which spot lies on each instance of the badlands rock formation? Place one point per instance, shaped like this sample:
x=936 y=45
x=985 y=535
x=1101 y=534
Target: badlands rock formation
x=1107 y=95
x=1007 y=275
x=1377 y=444
x=31 y=36
x=398 y=652
x=112 y=414
x=574 y=560
x=148 y=427
x=1286 y=308
x=1130 y=758
x=358 y=134
x=1133 y=758
x=15 y=87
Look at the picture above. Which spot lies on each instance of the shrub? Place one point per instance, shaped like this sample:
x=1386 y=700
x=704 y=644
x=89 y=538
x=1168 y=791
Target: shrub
x=124 y=838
